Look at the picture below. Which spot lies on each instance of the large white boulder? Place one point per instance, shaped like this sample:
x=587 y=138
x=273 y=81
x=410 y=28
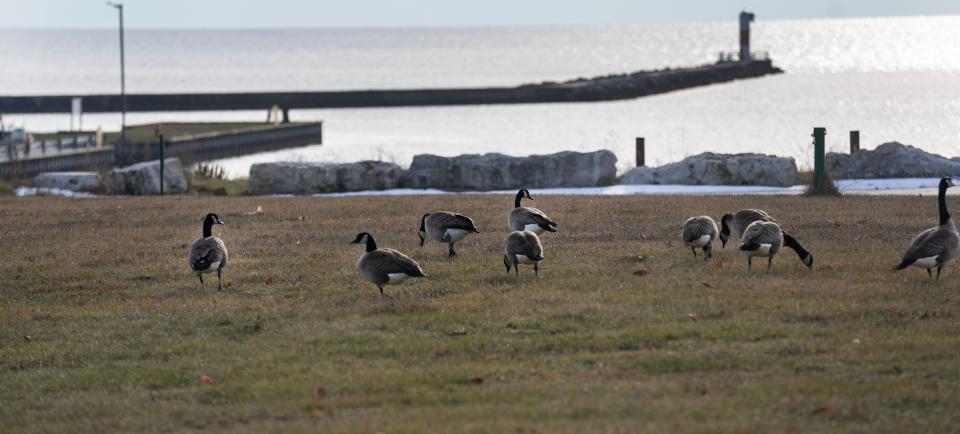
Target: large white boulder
x=73 y=181
x=891 y=160
x=498 y=171
x=144 y=178
x=310 y=178
x=719 y=169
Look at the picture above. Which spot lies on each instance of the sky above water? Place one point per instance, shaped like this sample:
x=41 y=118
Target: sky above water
x=416 y=13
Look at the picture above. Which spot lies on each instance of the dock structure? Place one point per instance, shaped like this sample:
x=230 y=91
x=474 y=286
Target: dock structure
x=191 y=142
x=607 y=88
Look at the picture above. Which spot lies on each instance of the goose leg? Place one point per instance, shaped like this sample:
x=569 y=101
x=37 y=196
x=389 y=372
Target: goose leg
x=219 y=286
x=516 y=268
x=381 y=290
x=202 y=286
x=939 y=268
x=536 y=270
x=694 y=250
x=749 y=263
x=769 y=261
x=506 y=263
x=451 y=253
x=930 y=273
x=707 y=253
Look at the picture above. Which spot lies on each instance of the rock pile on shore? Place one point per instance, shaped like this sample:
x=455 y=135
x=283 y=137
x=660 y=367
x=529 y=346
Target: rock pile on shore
x=719 y=169
x=464 y=172
x=310 y=178
x=144 y=178
x=891 y=160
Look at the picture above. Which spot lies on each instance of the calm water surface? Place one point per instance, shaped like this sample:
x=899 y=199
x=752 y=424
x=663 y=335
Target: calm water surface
x=890 y=78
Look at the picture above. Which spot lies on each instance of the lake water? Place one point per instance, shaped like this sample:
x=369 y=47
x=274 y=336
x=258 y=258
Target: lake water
x=891 y=78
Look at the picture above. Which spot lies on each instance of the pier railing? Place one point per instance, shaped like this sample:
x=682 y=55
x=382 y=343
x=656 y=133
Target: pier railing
x=734 y=56
x=76 y=155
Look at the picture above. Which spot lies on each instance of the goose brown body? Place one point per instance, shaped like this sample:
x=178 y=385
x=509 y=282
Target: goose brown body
x=523 y=218
x=446 y=227
x=935 y=247
x=384 y=266
x=209 y=253
x=522 y=247
x=700 y=232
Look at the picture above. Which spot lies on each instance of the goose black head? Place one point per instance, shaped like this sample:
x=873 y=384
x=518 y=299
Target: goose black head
x=724 y=229
x=213 y=219
x=364 y=237
x=423 y=229
x=522 y=194
x=208 y=222
x=946 y=182
x=361 y=238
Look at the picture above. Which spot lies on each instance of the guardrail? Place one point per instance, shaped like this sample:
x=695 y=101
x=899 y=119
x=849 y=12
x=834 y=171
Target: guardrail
x=734 y=56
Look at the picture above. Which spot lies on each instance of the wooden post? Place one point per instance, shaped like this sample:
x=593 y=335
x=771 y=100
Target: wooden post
x=641 y=152
x=854 y=142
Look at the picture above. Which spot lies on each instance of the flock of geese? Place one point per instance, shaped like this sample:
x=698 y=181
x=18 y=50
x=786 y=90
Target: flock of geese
x=760 y=236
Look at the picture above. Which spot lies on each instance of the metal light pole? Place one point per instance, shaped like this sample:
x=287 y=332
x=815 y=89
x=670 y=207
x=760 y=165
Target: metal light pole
x=123 y=78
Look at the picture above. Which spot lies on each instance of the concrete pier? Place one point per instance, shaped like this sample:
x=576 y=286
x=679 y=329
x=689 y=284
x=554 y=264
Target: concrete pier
x=613 y=87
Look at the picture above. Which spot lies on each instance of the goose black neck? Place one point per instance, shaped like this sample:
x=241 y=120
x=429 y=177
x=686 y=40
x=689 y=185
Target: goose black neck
x=792 y=243
x=516 y=202
x=423 y=223
x=207 y=228
x=724 y=229
x=371 y=244
x=942 y=203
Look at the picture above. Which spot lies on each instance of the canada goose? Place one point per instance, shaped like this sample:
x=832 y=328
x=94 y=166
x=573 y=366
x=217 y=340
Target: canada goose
x=523 y=247
x=765 y=239
x=446 y=227
x=737 y=223
x=208 y=254
x=383 y=266
x=529 y=219
x=936 y=246
x=700 y=232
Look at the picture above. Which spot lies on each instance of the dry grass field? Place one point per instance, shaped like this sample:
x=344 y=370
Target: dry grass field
x=104 y=330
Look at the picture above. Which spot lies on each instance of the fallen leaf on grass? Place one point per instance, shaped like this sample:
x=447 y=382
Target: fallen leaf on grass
x=820 y=351
x=269 y=280
x=640 y=272
x=477 y=380
x=708 y=285
x=318 y=413
x=716 y=263
x=641 y=258
x=321 y=392
x=822 y=409
x=694 y=316
x=206 y=379
x=442 y=354
x=27 y=338
x=228 y=285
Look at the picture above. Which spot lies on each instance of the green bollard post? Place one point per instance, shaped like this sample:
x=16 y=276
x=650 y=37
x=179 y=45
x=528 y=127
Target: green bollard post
x=162 y=178
x=819 y=156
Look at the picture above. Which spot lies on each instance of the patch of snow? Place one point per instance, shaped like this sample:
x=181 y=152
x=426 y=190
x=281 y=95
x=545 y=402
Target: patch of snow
x=35 y=191
x=907 y=186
